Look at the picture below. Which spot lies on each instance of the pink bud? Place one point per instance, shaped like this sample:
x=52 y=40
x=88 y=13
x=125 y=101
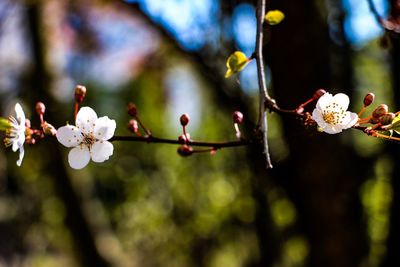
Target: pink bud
x=182 y=139
x=40 y=108
x=80 y=93
x=132 y=110
x=237 y=117
x=319 y=93
x=185 y=150
x=387 y=118
x=27 y=123
x=184 y=119
x=368 y=99
x=133 y=125
x=381 y=110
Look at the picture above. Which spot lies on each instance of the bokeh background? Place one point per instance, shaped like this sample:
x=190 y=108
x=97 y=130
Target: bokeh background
x=329 y=201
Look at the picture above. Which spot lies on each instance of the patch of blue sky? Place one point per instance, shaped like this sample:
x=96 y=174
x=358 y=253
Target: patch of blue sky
x=248 y=78
x=124 y=43
x=184 y=96
x=191 y=22
x=361 y=25
x=121 y=34
x=244 y=28
x=15 y=53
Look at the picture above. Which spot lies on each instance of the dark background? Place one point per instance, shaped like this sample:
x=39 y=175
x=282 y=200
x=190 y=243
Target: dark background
x=331 y=200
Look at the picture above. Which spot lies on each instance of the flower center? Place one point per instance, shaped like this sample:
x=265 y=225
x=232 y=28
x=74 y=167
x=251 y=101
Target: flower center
x=12 y=134
x=88 y=139
x=329 y=117
x=333 y=117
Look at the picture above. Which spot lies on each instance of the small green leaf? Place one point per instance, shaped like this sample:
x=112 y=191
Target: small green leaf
x=235 y=63
x=274 y=17
x=396 y=129
x=395 y=125
x=396 y=120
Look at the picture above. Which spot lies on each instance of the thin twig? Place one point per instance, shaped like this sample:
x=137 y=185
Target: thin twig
x=263 y=93
x=153 y=139
x=391 y=24
x=375 y=12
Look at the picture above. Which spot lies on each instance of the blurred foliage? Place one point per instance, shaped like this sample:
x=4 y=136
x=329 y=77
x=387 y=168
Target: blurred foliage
x=147 y=206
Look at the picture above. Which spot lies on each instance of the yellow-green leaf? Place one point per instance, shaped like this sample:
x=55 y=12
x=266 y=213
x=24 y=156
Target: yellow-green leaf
x=274 y=17
x=395 y=125
x=235 y=63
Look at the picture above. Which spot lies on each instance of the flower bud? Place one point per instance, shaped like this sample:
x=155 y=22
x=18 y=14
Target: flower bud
x=382 y=109
x=133 y=125
x=387 y=118
x=369 y=99
x=184 y=138
x=132 y=110
x=80 y=93
x=237 y=117
x=319 y=93
x=30 y=141
x=27 y=123
x=184 y=119
x=49 y=129
x=185 y=150
x=373 y=120
x=299 y=110
x=40 y=108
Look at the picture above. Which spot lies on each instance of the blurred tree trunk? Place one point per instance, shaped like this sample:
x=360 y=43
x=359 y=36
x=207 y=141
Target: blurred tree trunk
x=322 y=175
x=393 y=241
x=79 y=228
x=230 y=99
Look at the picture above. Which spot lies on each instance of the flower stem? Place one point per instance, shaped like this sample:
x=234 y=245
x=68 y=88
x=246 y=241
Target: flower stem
x=76 y=109
x=379 y=135
x=142 y=125
x=364 y=120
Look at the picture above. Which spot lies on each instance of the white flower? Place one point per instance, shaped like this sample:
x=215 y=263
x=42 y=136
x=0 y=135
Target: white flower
x=15 y=135
x=331 y=113
x=88 y=138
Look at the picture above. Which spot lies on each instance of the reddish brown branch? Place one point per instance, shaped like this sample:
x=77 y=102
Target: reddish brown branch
x=153 y=139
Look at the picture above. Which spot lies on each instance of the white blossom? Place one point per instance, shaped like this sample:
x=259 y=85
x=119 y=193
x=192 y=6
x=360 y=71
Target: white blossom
x=15 y=134
x=88 y=138
x=331 y=113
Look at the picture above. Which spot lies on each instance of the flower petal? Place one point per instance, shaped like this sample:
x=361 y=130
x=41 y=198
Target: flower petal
x=350 y=120
x=20 y=114
x=79 y=157
x=330 y=129
x=15 y=146
x=104 y=128
x=21 y=155
x=69 y=136
x=317 y=116
x=101 y=151
x=324 y=101
x=86 y=119
x=342 y=99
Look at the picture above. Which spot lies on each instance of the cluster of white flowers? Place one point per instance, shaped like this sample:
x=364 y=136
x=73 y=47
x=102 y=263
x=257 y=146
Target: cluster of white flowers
x=89 y=138
x=331 y=113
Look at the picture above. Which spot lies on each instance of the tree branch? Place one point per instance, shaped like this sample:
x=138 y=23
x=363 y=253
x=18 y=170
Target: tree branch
x=153 y=139
x=263 y=92
x=390 y=24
